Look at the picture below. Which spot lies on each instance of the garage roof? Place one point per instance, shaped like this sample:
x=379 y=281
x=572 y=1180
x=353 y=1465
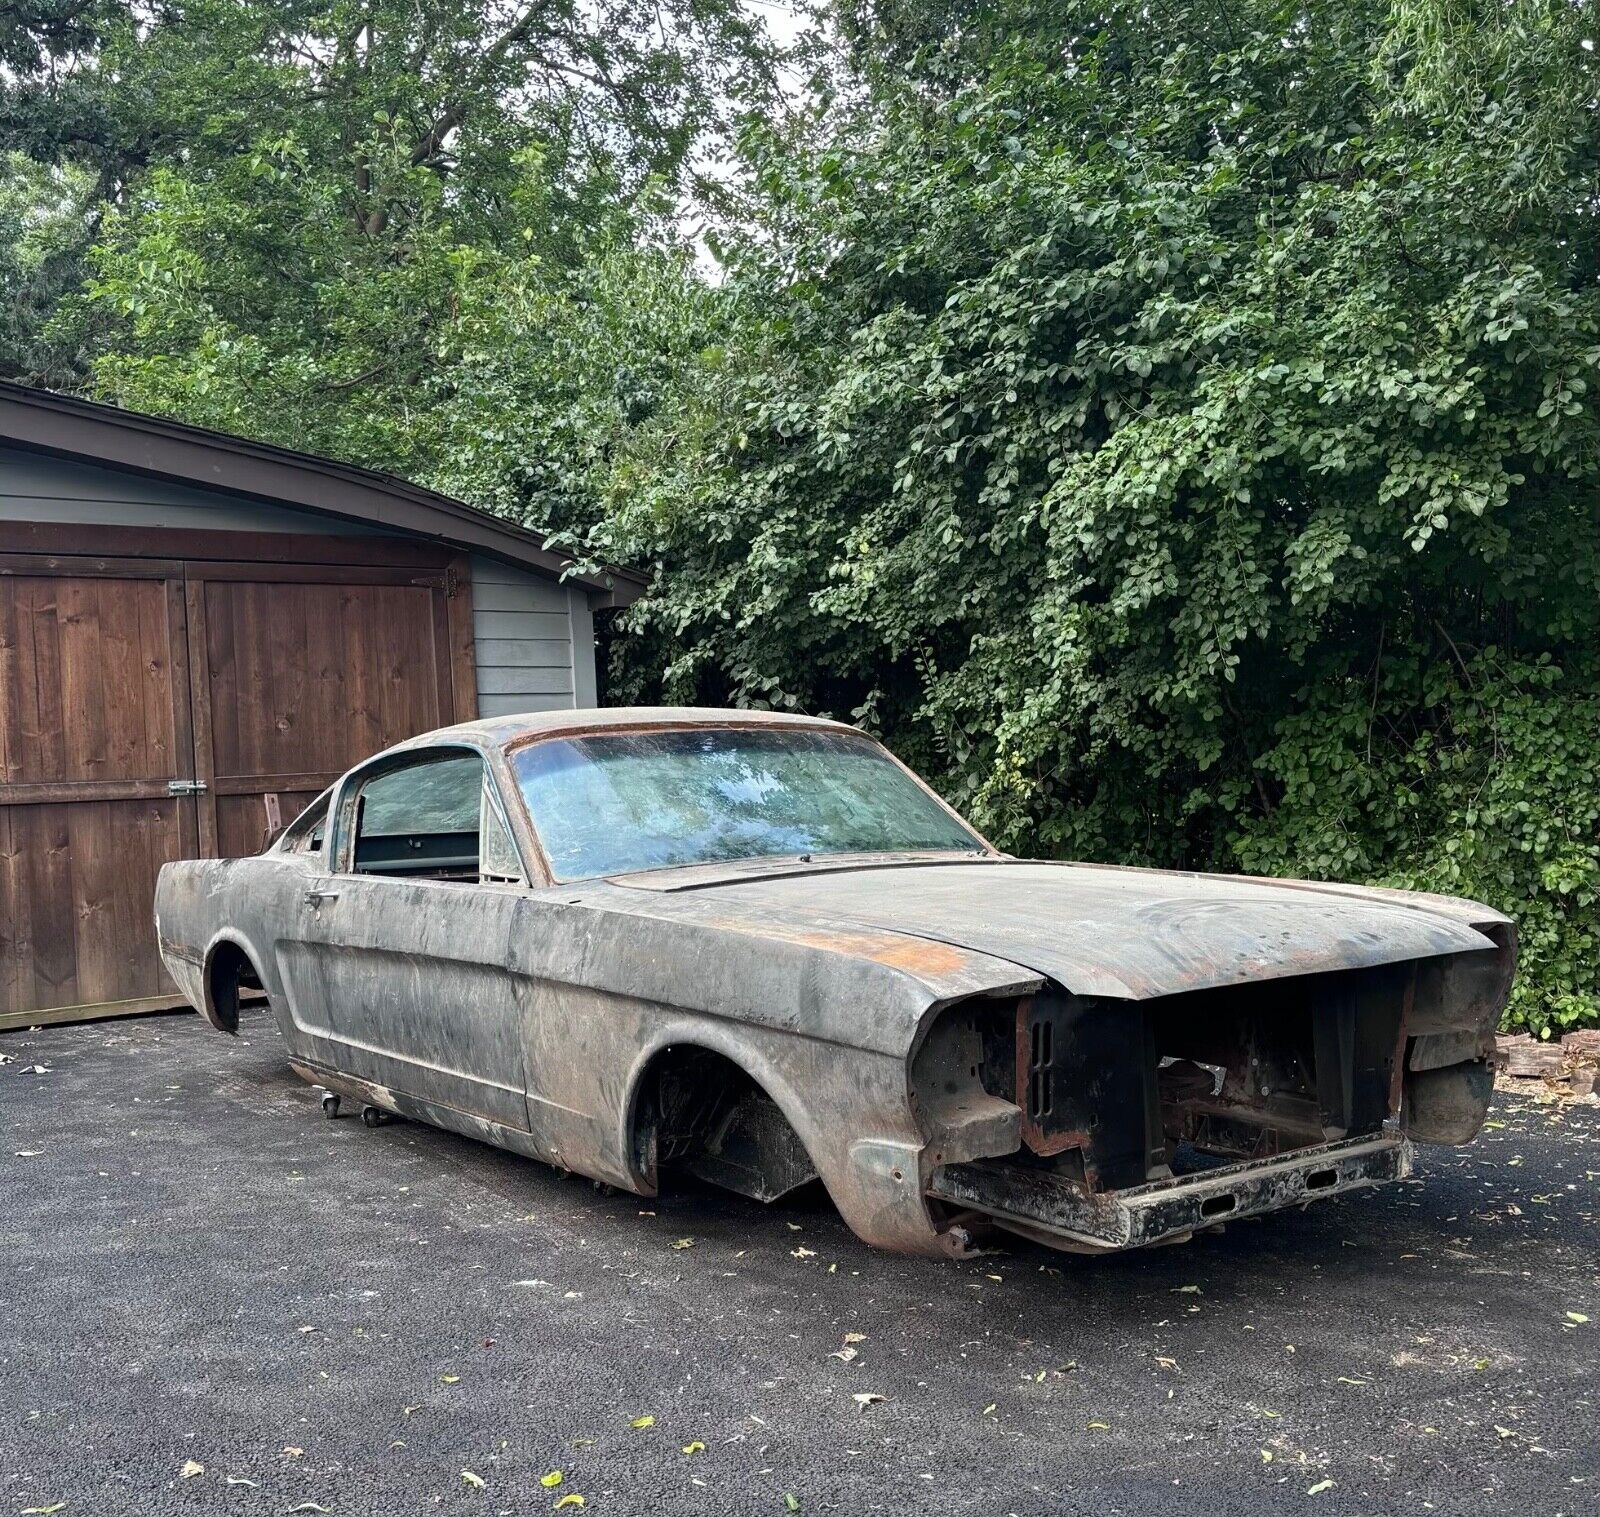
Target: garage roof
x=160 y=448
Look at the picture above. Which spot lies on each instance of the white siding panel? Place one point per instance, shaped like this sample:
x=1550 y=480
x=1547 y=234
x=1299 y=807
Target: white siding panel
x=541 y=625
x=523 y=627
x=523 y=681
x=525 y=653
x=527 y=594
x=514 y=705
x=527 y=682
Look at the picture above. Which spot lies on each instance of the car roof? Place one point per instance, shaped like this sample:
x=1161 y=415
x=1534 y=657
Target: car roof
x=501 y=731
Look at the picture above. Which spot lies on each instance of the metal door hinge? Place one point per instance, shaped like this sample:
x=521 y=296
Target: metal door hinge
x=186 y=787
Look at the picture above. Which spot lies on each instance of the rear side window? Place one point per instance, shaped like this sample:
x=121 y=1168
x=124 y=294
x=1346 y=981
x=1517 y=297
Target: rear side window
x=436 y=816
x=308 y=831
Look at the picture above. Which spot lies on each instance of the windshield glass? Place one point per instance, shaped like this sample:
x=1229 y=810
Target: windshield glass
x=617 y=803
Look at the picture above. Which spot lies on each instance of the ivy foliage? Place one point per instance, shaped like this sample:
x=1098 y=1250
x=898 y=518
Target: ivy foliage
x=1175 y=428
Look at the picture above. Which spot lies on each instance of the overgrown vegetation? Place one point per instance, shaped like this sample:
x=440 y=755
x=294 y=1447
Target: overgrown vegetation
x=1172 y=427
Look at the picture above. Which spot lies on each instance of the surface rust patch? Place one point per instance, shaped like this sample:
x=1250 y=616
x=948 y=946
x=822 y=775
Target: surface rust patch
x=914 y=955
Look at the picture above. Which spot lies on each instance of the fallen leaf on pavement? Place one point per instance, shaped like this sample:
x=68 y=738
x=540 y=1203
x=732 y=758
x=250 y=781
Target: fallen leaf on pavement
x=645 y=1421
x=697 y=1447
x=864 y=1399
x=1319 y=1488
x=572 y=1498
x=550 y=1480
x=475 y=1481
x=191 y=1468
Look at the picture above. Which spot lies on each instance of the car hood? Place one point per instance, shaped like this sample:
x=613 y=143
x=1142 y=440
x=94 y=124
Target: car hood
x=1095 y=930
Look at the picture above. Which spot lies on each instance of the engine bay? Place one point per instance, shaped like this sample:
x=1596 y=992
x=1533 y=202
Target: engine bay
x=1136 y=1122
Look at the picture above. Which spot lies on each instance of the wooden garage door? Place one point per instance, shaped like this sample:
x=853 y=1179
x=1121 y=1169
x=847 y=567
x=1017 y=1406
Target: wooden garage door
x=149 y=710
x=94 y=726
x=297 y=675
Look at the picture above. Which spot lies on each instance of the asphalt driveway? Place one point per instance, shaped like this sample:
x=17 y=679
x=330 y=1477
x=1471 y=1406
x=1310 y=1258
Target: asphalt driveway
x=196 y=1269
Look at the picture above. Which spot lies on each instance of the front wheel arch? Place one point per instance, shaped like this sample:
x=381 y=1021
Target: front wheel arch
x=728 y=1079
x=869 y=1168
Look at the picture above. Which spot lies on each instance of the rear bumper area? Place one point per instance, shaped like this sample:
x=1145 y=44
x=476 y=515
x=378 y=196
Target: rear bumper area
x=1052 y=1208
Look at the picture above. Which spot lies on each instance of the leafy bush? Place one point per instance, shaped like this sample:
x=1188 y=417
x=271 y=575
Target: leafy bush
x=1497 y=797
x=1176 y=429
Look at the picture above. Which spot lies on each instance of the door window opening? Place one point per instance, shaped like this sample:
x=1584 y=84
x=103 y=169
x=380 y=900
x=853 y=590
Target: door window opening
x=421 y=821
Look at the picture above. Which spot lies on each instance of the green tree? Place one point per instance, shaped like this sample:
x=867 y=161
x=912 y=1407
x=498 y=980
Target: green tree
x=340 y=225
x=1174 y=427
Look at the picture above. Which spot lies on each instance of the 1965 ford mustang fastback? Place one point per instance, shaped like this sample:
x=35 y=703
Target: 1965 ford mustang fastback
x=757 y=948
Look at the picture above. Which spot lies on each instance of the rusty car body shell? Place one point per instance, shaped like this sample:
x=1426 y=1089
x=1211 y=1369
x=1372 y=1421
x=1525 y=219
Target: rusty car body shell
x=536 y=1015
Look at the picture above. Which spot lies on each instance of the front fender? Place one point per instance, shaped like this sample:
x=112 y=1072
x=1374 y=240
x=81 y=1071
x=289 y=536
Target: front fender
x=860 y=989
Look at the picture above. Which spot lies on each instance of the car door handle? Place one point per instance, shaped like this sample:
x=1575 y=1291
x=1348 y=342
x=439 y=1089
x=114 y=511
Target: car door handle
x=317 y=897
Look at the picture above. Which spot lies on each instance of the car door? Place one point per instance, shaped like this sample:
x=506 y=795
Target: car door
x=400 y=955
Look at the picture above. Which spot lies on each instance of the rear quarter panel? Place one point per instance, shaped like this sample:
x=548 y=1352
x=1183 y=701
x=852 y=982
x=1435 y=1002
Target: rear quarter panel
x=202 y=903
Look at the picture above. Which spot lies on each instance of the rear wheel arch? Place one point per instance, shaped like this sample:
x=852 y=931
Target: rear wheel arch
x=230 y=967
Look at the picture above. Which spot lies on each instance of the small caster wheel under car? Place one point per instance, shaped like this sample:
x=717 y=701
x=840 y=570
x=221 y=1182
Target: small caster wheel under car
x=330 y=1104
x=374 y=1116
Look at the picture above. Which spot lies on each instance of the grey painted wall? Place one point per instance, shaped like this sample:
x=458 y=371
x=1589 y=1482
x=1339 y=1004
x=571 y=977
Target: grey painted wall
x=535 y=637
x=535 y=641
